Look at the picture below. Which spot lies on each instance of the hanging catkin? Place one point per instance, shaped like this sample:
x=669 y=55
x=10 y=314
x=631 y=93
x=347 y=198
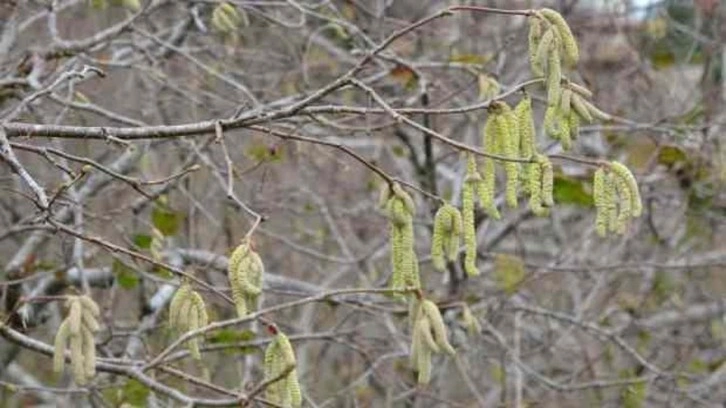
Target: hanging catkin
x=554 y=75
x=509 y=126
x=400 y=209
x=280 y=357
x=187 y=312
x=569 y=44
x=77 y=329
x=429 y=336
x=245 y=273
x=446 y=236
x=469 y=321
x=632 y=186
x=547 y=180
x=598 y=197
x=471 y=181
x=540 y=180
x=535 y=36
x=625 y=207
x=525 y=125
x=534 y=180
x=616 y=197
x=486 y=187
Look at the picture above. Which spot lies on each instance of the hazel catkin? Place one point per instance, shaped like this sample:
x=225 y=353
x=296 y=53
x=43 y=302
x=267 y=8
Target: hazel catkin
x=77 y=331
x=569 y=44
x=446 y=236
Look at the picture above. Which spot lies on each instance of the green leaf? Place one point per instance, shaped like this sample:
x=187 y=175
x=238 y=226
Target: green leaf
x=135 y=393
x=142 y=241
x=165 y=220
x=231 y=336
x=671 y=155
x=126 y=277
x=570 y=190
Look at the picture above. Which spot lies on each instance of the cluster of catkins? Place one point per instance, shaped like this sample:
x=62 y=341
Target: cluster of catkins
x=428 y=337
x=279 y=358
x=511 y=133
x=400 y=208
x=78 y=329
x=245 y=274
x=226 y=18
x=187 y=312
x=616 y=197
x=551 y=44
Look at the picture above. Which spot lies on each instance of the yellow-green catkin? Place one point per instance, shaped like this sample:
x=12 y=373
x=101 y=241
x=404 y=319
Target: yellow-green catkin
x=469 y=321
x=611 y=204
x=279 y=357
x=438 y=328
x=625 y=204
x=245 y=273
x=525 y=125
x=61 y=338
x=565 y=102
x=78 y=364
x=178 y=301
x=74 y=316
x=536 y=28
x=554 y=77
x=429 y=335
x=510 y=127
x=225 y=18
x=445 y=240
x=569 y=44
x=534 y=180
x=632 y=185
x=420 y=352
x=89 y=354
x=600 y=200
x=579 y=104
x=579 y=89
x=597 y=113
x=552 y=123
x=272 y=364
x=557 y=126
x=471 y=180
x=77 y=329
x=547 y=180
x=400 y=209
x=488 y=182
x=187 y=312
x=544 y=48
